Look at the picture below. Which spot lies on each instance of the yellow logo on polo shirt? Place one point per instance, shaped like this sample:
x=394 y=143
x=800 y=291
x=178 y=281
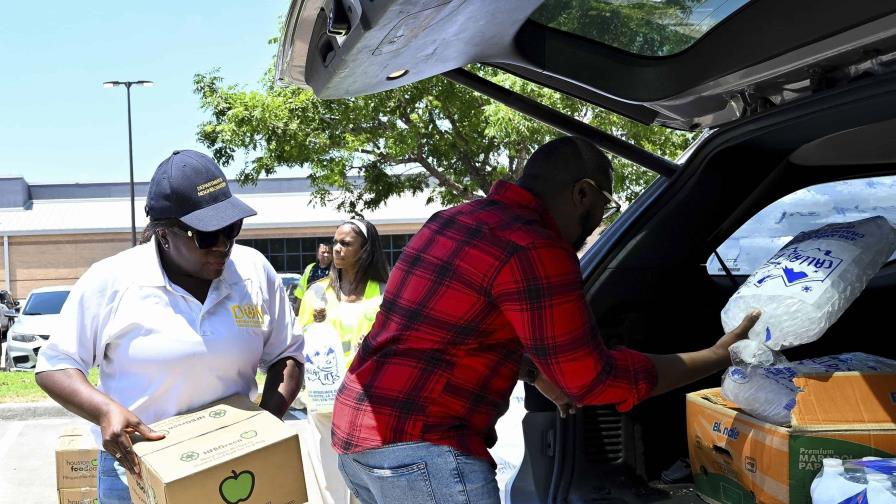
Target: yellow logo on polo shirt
x=210 y=187
x=248 y=315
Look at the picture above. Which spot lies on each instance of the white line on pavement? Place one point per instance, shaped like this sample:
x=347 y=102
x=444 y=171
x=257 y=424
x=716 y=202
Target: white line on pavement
x=16 y=427
x=10 y=436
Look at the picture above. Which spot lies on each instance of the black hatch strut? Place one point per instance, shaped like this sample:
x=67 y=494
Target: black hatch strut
x=563 y=122
x=728 y=272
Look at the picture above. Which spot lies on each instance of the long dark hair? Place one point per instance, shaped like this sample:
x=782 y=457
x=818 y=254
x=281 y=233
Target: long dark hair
x=372 y=264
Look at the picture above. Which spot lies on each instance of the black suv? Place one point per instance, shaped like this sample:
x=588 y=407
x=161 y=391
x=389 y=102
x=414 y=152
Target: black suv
x=796 y=99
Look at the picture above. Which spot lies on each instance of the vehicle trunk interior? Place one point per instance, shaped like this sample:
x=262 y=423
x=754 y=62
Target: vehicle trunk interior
x=650 y=289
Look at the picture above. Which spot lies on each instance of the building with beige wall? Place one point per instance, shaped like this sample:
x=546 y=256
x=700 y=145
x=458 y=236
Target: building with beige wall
x=51 y=233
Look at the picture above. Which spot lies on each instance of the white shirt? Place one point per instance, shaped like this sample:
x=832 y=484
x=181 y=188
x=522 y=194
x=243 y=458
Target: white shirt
x=160 y=351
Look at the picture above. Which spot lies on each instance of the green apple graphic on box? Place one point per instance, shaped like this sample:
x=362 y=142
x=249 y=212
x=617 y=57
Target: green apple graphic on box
x=94 y=463
x=237 y=488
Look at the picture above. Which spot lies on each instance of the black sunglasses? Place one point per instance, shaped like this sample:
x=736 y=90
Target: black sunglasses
x=613 y=205
x=208 y=239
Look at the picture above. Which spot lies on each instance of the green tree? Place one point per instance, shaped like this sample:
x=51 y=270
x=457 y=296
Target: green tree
x=401 y=140
x=651 y=27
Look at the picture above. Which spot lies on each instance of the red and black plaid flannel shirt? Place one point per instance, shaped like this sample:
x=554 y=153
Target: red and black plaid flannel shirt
x=479 y=285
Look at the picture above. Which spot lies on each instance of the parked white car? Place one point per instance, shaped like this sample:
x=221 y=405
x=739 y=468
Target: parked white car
x=35 y=324
x=290 y=282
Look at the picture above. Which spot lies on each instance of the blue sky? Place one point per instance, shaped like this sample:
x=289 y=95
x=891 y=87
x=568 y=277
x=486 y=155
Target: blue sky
x=57 y=122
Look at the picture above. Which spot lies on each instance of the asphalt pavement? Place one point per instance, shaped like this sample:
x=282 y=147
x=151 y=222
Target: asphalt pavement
x=28 y=467
x=28 y=433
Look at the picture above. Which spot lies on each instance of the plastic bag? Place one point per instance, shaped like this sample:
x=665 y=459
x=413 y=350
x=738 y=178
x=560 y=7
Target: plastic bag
x=768 y=392
x=805 y=287
x=324 y=366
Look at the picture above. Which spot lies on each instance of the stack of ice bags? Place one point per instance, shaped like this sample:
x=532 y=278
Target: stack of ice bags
x=801 y=290
x=768 y=392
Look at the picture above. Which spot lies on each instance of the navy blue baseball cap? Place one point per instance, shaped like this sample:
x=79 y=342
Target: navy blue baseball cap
x=190 y=186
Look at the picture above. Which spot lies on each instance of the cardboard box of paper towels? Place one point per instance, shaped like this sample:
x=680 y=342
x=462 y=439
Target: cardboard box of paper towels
x=229 y=452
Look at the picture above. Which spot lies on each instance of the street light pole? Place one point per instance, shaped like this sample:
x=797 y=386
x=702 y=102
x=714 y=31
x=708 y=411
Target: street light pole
x=127 y=85
x=131 y=156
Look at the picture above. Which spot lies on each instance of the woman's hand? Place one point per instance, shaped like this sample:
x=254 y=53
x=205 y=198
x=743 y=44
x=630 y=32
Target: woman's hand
x=70 y=388
x=117 y=423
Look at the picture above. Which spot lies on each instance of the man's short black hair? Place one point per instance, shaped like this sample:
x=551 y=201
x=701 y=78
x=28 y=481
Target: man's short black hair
x=558 y=164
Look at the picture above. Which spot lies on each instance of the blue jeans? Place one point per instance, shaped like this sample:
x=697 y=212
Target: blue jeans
x=112 y=481
x=419 y=473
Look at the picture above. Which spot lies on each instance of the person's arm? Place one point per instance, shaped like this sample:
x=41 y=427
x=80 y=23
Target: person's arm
x=281 y=356
x=65 y=359
x=308 y=312
x=679 y=369
x=530 y=374
x=673 y=371
x=540 y=292
x=70 y=388
x=282 y=385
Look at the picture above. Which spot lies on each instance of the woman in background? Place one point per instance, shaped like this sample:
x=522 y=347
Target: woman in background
x=347 y=301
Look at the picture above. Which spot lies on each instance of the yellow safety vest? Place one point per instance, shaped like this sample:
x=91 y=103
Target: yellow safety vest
x=352 y=321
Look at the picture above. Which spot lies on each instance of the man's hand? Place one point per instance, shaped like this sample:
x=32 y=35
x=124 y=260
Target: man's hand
x=117 y=423
x=737 y=334
x=320 y=314
x=557 y=396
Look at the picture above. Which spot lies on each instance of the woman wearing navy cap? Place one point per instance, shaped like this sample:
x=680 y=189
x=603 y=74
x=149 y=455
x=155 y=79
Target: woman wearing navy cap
x=177 y=322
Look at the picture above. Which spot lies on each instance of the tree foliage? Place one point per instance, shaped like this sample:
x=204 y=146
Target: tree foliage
x=432 y=136
x=651 y=27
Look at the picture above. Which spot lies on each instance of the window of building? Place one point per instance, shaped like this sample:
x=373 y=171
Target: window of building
x=393 y=245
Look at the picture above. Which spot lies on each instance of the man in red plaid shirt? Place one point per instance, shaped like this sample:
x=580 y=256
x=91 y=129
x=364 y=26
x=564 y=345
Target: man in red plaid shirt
x=480 y=293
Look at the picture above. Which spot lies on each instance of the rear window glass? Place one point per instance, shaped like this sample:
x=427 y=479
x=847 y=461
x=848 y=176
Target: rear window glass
x=769 y=230
x=45 y=303
x=647 y=27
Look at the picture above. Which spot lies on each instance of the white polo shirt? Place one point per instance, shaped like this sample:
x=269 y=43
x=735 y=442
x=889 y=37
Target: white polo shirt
x=160 y=351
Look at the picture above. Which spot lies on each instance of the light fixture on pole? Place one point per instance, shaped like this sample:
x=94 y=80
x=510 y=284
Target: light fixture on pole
x=127 y=85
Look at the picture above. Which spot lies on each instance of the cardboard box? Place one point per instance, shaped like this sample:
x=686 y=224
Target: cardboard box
x=78 y=496
x=739 y=459
x=76 y=460
x=227 y=452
